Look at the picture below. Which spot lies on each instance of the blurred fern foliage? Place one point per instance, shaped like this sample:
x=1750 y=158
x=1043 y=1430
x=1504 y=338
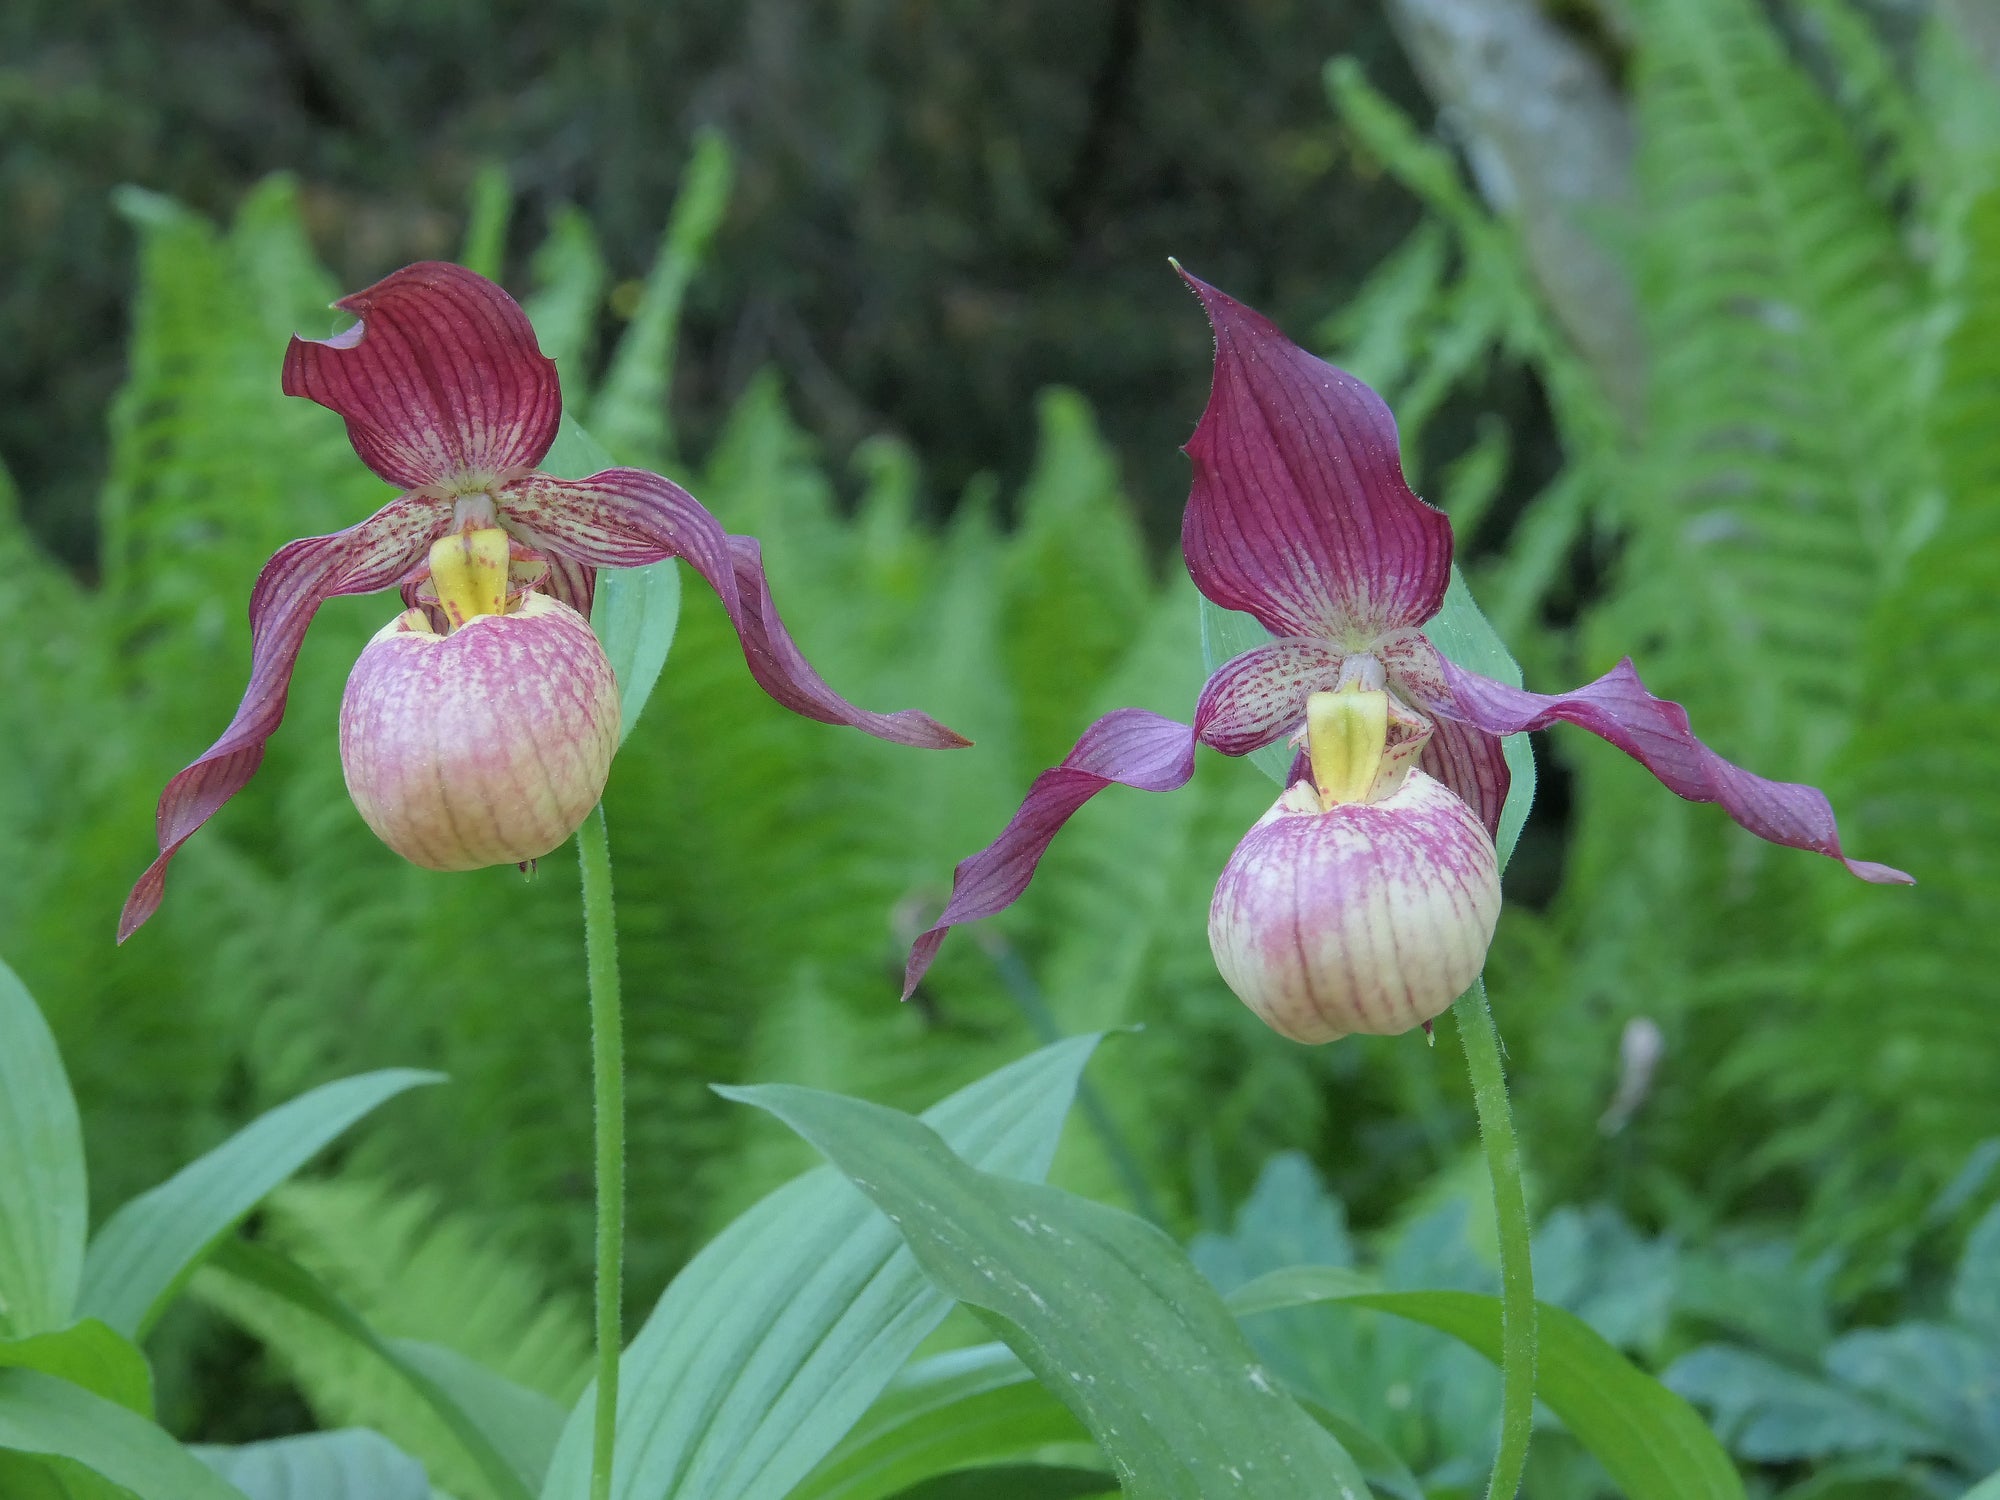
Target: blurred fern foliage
x=769 y=870
x=1786 y=541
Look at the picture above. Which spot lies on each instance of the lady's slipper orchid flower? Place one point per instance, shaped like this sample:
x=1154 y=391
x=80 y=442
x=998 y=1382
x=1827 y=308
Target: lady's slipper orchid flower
x=477 y=727
x=1365 y=900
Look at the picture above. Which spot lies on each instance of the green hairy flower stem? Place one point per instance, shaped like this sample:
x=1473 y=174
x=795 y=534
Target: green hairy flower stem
x=1510 y=1211
x=607 y=1049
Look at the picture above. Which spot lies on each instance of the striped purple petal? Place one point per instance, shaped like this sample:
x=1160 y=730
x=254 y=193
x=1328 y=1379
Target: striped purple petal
x=1127 y=747
x=1655 y=732
x=440 y=383
x=373 y=555
x=623 y=518
x=1471 y=763
x=1299 y=513
x=1260 y=697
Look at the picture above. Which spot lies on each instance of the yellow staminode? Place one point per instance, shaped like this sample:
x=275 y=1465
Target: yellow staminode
x=469 y=572
x=1346 y=734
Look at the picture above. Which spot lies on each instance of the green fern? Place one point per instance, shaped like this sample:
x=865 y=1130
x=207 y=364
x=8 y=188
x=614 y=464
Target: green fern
x=412 y=1274
x=1781 y=462
x=1905 y=979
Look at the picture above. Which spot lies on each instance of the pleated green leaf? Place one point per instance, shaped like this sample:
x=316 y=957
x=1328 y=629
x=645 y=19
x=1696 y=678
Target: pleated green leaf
x=147 y=1249
x=774 y=1340
x=969 y=1408
x=1105 y=1309
x=635 y=610
x=51 y=1418
x=503 y=1429
x=91 y=1355
x=43 y=1210
x=354 y=1464
x=1651 y=1442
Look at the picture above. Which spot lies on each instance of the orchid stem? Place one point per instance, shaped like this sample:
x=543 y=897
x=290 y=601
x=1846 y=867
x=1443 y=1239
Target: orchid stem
x=607 y=1051
x=1510 y=1212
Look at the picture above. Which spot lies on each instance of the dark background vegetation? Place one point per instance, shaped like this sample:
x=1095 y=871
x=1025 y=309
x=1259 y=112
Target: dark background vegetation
x=941 y=207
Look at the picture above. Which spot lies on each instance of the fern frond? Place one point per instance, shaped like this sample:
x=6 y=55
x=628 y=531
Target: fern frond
x=629 y=413
x=1905 y=981
x=412 y=1273
x=1781 y=459
x=1889 y=127
x=569 y=292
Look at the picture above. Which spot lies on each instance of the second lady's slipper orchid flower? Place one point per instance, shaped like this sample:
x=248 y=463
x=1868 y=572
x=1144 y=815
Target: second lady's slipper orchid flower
x=1365 y=900
x=478 y=727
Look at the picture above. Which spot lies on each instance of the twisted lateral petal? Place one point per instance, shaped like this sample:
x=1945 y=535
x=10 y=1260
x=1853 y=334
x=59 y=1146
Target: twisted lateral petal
x=359 y=560
x=1299 y=513
x=1472 y=764
x=441 y=380
x=1655 y=732
x=624 y=518
x=1127 y=747
x=574 y=583
x=1260 y=696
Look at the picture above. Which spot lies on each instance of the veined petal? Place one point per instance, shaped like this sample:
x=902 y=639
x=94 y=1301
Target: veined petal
x=373 y=555
x=440 y=382
x=1127 y=747
x=1471 y=763
x=623 y=518
x=1260 y=696
x=1299 y=513
x=1655 y=732
x=572 y=582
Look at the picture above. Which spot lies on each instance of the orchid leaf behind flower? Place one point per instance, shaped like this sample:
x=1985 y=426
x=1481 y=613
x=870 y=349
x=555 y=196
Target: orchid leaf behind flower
x=635 y=611
x=1299 y=516
x=446 y=395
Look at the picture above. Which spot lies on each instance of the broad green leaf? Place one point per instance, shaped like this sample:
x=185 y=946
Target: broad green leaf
x=504 y=1429
x=91 y=1355
x=1460 y=631
x=635 y=610
x=43 y=1208
x=40 y=1414
x=147 y=1249
x=1106 y=1310
x=773 y=1340
x=353 y=1464
x=575 y=454
x=968 y=1408
x=522 y=1424
x=1380 y=1465
x=1987 y=1489
x=1296 y=1286
x=1017 y=1482
x=981 y=1407
x=23 y=1477
x=1649 y=1440
x=634 y=615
